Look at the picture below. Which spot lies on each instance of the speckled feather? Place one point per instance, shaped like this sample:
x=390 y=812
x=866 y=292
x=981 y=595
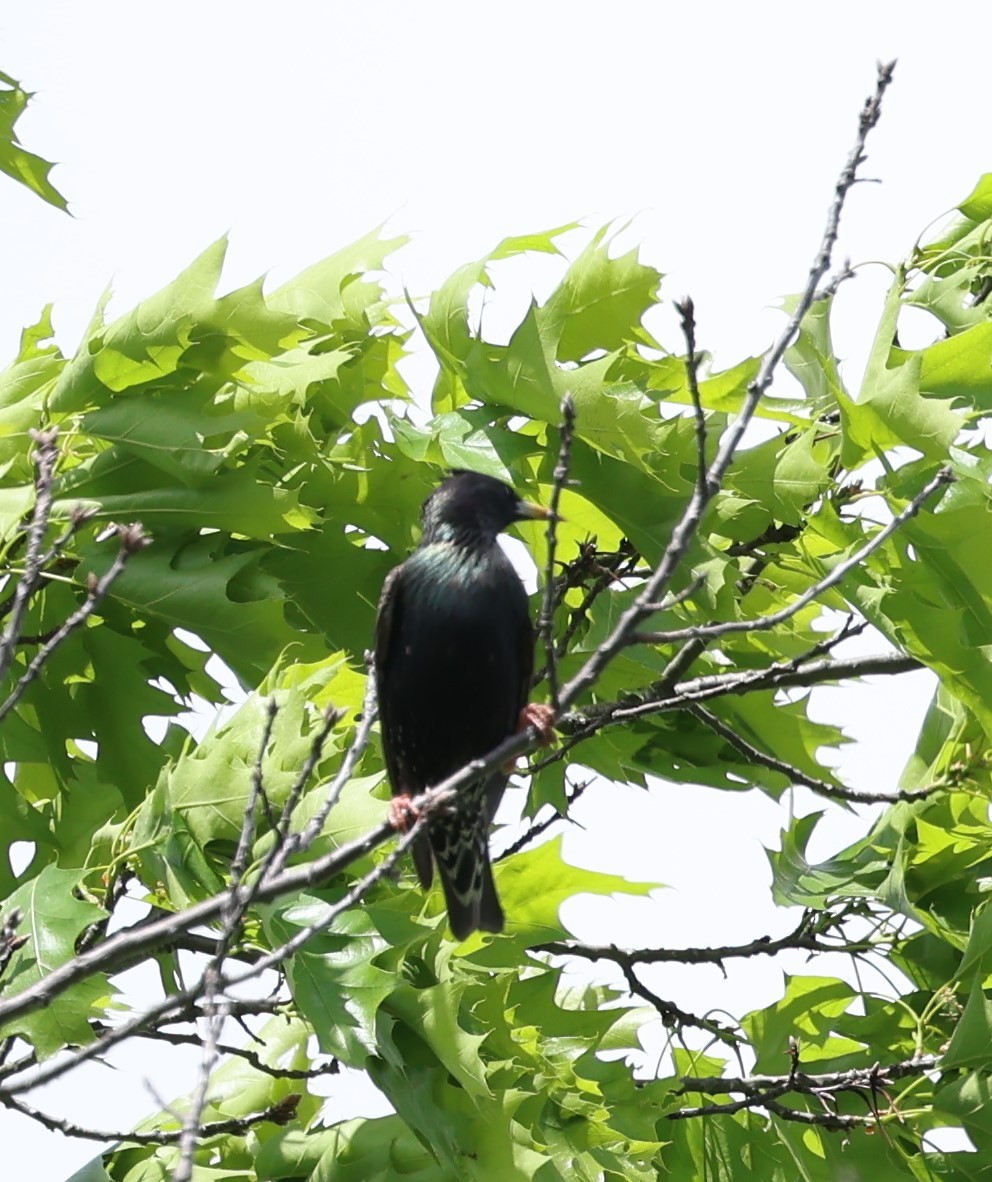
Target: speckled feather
x=454 y=657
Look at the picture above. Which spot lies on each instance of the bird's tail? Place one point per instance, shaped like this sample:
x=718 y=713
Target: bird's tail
x=462 y=854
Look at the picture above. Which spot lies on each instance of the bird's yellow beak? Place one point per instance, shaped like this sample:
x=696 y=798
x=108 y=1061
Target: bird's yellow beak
x=527 y=509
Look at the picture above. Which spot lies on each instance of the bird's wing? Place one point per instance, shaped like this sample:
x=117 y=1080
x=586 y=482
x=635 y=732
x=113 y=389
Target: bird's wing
x=389 y=600
x=387 y=625
x=525 y=659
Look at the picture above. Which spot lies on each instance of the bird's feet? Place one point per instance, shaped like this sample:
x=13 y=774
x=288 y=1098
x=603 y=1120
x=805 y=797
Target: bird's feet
x=402 y=812
x=541 y=718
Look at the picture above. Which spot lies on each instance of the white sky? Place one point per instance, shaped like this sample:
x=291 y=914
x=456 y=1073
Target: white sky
x=718 y=127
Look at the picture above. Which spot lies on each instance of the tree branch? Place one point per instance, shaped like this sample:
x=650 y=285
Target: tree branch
x=763 y=1091
x=808 y=936
x=132 y=539
x=773 y=619
x=687 y=526
x=687 y=321
x=302 y=841
x=332 y=1067
x=798 y=776
x=280 y=1113
x=44 y=457
x=546 y=620
x=582 y=724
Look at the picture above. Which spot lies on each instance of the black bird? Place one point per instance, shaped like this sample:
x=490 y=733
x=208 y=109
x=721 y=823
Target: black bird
x=454 y=653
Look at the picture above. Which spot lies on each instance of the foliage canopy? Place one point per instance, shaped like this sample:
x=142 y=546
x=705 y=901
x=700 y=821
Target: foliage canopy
x=270 y=447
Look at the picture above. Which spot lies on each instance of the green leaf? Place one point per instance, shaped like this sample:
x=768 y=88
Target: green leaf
x=533 y=915
x=23 y=166
x=600 y=302
x=971 y=1045
x=53 y=920
x=968 y=1102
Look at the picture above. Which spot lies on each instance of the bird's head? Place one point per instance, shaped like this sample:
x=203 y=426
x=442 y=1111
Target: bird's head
x=469 y=503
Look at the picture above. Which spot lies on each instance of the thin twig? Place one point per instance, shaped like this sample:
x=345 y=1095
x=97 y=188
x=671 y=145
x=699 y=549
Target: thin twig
x=625 y=564
x=763 y=1091
x=116 y=890
x=10 y=941
x=332 y=1067
x=330 y=718
x=808 y=936
x=300 y=842
x=798 y=776
x=539 y=827
x=773 y=619
x=687 y=526
x=580 y=725
x=687 y=320
x=854 y=1079
x=256 y=791
x=44 y=457
x=232 y=913
x=280 y=1113
x=132 y=539
x=192 y=1125
x=546 y=620
x=673 y=1016
x=801 y=670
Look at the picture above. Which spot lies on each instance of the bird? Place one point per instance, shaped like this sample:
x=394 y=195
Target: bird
x=454 y=655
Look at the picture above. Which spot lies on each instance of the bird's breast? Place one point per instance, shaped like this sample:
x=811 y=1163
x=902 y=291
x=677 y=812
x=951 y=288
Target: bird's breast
x=455 y=674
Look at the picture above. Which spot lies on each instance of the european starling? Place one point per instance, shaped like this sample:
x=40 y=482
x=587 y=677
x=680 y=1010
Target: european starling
x=454 y=653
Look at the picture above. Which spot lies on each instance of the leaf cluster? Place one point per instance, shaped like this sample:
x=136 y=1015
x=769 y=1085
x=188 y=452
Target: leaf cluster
x=268 y=444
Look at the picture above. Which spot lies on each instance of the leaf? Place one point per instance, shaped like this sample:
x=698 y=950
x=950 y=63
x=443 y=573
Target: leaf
x=23 y=166
x=811 y=358
x=807 y=1013
x=327 y=291
x=976 y=953
x=891 y=409
x=969 y=1102
x=54 y=919
x=600 y=302
x=533 y=915
x=971 y=1045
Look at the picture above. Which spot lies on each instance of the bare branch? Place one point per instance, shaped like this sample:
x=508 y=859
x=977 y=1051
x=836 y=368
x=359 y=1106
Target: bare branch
x=256 y=791
x=798 y=776
x=716 y=685
x=854 y=1079
x=546 y=621
x=116 y=890
x=132 y=539
x=300 y=842
x=169 y=1008
x=763 y=1091
x=539 y=827
x=10 y=941
x=608 y=570
x=232 y=913
x=192 y=1128
x=280 y=1113
x=331 y=717
x=687 y=526
x=332 y=1067
x=809 y=936
x=132 y=944
x=773 y=619
x=673 y=1016
x=582 y=724
x=687 y=319
x=44 y=457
